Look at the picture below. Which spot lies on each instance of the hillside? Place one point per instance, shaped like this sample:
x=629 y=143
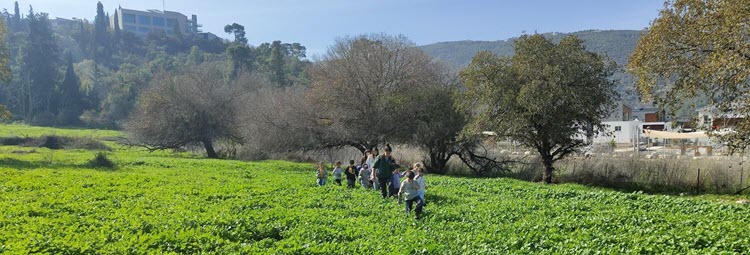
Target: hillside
x=617 y=44
x=55 y=202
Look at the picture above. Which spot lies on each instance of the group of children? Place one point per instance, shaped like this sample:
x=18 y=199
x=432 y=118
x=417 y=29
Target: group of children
x=381 y=172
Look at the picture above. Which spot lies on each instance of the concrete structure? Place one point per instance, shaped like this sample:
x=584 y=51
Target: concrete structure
x=154 y=21
x=711 y=118
x=208 y=36
x=621 y=112
x=621 y=132
x=63 y=23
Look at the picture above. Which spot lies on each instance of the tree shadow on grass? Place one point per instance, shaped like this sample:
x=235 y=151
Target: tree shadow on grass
x=32 y=165
x=437 y=200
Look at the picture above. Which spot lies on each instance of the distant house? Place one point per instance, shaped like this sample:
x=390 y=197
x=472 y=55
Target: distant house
x=208 y=36
x=154 y=21
x=711 y=118
x=619 y=132
x=63 y=23
x=626 y=124
x=621 y=112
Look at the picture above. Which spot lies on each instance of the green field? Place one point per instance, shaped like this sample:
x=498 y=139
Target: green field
x=53 y=202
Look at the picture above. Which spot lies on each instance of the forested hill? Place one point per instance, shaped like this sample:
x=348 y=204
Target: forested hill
x=617 y=44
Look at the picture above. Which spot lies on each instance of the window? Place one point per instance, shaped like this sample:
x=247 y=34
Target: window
x=128 y=18
x=144 y=20
x=143 y=29
x=618 y=128
x=130 y=28
x=157 y=21
x=171 y=22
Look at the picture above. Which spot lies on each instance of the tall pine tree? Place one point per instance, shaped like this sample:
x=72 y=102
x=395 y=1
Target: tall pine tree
x=72 y=101
x=101 y=44
x=117 y=33
x=40 y=58
x=278 y=75
x=16 y=23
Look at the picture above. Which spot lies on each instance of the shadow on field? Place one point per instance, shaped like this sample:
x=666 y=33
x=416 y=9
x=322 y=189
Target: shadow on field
x=26 y=165
x=437 y=199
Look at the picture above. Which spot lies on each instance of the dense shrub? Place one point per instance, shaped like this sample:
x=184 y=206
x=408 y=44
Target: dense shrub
x=56 y=142
x=101 y=160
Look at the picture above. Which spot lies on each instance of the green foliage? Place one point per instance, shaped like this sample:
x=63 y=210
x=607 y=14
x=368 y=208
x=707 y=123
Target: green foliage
x=698 y=49
x=71 y=102
x=238 y=31
x=545 y=97
x=101 y=46
x=54 y=202
x=112 y=66
x=615 y=44
x=40 y=58
x=101 y=160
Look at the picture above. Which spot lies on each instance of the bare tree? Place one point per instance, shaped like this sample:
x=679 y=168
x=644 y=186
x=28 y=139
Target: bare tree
x=198 y=106
x=361 y=87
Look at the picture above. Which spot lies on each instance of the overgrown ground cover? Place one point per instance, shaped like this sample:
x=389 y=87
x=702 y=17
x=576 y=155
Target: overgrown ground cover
x=22 y=130
x=51 y=201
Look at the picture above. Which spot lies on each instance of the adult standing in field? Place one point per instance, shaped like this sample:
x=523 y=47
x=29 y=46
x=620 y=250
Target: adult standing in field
x=384 y=166
x=371 y=162
x=351 y=174
x=322 y=174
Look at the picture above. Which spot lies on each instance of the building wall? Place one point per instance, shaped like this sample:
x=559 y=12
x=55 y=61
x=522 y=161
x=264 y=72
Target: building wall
x=144 y=22
x=619 y=131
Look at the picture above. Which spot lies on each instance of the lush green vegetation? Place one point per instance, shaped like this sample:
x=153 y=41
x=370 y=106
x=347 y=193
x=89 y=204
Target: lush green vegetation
x=59 y=72
x=22 y=130
x=54 y=202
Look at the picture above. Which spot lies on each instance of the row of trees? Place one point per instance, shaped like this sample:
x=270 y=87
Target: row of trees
x=375 y=89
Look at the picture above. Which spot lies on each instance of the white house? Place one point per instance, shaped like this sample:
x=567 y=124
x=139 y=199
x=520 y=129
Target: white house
x=619 y=132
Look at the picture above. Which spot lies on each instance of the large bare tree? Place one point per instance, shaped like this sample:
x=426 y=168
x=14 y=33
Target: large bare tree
x=362 y=85
x=198 y=106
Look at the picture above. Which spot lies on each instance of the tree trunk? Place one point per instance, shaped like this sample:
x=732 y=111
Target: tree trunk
x=210 y=149
x=548 y=169
x=438 y=163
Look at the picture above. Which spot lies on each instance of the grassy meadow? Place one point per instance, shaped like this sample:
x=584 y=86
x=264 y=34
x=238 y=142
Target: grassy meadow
x=55 y=202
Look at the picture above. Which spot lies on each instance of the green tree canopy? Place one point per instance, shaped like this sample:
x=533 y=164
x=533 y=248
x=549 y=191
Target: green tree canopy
x=238 y=31
x=698 y=48
x=547 y=96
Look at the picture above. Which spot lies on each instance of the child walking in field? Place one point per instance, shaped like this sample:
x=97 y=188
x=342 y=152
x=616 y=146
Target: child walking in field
x=351 y=174
x=419 y=178
x=322 y=174
x=409 y=189
x=395 y=182
x=364 y=176
x=337 y=173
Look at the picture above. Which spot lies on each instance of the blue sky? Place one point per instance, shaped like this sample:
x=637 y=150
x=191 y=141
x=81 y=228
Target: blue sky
x=317 y=23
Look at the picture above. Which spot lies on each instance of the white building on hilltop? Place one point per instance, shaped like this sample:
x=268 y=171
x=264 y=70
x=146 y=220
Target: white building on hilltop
x=154 y=21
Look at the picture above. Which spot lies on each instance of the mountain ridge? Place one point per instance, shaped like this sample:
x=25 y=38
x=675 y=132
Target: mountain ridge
x=616 y=44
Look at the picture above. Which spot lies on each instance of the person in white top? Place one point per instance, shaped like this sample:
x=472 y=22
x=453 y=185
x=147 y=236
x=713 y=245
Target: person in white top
x=419 y=179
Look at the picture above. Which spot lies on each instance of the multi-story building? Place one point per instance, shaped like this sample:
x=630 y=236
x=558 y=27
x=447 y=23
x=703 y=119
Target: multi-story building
x=154 y=21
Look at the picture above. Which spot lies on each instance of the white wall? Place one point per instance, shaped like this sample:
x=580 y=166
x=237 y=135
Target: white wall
x=619 y=131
